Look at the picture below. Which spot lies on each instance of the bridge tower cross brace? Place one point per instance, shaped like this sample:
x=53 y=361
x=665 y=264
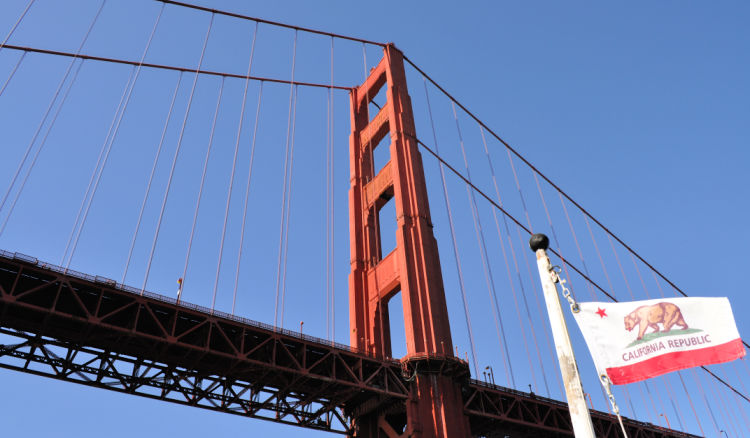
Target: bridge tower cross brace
x=435 y=408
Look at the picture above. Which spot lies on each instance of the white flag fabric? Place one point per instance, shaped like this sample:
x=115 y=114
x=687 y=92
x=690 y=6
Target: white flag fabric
x=638 y=340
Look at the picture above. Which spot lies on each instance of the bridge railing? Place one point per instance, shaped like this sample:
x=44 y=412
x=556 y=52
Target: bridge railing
x=124 y=287
x=551 y=401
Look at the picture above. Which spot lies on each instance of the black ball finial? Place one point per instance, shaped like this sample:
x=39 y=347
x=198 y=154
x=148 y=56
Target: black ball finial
x=538 y=241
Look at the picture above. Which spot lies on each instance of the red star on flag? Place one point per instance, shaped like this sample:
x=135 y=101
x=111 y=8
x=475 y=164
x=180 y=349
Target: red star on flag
x=601 y=312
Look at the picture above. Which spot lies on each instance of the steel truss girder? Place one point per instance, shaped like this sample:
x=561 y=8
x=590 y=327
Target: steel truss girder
x=90 y=331
x=253 y=369
x=106 y=369
x=491 y=408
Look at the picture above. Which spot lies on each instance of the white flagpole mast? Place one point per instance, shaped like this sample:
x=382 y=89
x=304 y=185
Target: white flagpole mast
x=579 y=413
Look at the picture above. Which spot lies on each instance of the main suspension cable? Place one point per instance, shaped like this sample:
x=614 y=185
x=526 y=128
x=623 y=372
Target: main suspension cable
x=175 y=68
x=555 y=186
x=583 y=275
x=272 y=23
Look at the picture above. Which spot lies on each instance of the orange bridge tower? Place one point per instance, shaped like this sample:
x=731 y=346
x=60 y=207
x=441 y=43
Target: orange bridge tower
x=435 y=407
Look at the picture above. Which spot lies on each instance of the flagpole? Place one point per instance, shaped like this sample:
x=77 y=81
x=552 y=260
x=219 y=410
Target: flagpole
x=579 y=413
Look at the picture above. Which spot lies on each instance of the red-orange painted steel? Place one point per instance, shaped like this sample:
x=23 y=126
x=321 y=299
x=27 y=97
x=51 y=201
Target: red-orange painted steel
x=91 y=331
x=435 y=408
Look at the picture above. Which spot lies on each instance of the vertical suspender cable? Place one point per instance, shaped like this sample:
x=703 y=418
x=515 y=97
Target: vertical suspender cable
x=632 y=296
x=328 y=215
x=531 y=277
x=329 y=206
x=200 y=189
x=666 y=385
x=234 y=168
x=96 y=170
x=611 y=288
x=524 y=295
x=231 y=177
x=690 y=400
x=599 y=254
x=288 y=208
x=523 y=291
x=83 y=209
x=250 y=167
x=705 y=400
x=333 y=210
x=554 y=233
x=226 y=215
x=151 y=176
x=52 y=102
x=586 y=271
x=176 y=154
x=559 y=250
x=283 y=195
x=13 y=29
x=502 y=245
x=741 y=406
x=507 y=264
x=453 y=238
x=578 y=246
x=247 y=195
x=41 y=146
x=723 y=409
x=666 y=381
x=7 y=37
x=489 y=279
x=114 y=129
x=12 y=73
x=645 y=382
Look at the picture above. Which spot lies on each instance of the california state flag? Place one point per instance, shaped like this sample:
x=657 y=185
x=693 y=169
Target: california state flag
x=642 y=339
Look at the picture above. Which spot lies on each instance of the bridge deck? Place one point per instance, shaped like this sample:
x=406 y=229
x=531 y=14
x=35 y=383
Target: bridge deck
x=93 y=331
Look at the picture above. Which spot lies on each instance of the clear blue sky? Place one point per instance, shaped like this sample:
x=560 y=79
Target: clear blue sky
x=639 y=111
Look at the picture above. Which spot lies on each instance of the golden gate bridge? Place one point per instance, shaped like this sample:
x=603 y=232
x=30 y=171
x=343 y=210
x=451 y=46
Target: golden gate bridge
x=198 y=164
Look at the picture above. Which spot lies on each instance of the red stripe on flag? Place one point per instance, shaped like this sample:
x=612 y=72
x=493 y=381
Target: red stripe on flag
x=674 y=361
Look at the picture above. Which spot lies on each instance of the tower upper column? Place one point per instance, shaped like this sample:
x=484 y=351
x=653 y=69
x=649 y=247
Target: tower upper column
x=413 y=267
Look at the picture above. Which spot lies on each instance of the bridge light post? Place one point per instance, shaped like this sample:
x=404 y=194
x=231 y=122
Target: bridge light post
x=301 y=323
x=579 y=412
x=666 y=420
x=492 y=374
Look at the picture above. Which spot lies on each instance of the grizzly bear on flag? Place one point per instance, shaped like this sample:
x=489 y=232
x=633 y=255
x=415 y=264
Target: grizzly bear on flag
x=663 y=313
